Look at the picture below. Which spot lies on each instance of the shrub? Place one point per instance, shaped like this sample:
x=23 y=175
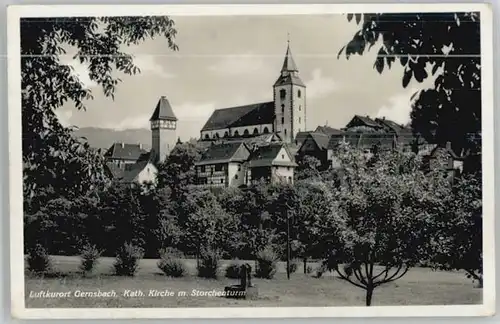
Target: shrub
x=171 y=264
x=89 y=255
x=293 y=266
x=233 y=271
x=266 y=263
x=209 y=264
x=38 y=259
x=127 y=259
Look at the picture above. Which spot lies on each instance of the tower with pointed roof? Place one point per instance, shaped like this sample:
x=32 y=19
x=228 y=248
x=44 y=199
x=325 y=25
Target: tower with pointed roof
x=289 y=100
x=163 y=129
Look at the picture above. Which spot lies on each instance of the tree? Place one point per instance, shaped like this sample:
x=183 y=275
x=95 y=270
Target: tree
x=445 y=44
x=56 y=163
x=459 y=238
x=387 y=216
x=308 y=167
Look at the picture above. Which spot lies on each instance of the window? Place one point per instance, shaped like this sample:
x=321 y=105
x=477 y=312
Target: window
x=283 y=109
x=239 y=167
x=246 y=132
x=206 y=136
x=266 y=130
x=236 y=177
x=285 y=131
x=282 y=93
x=299 y=93
x=283 y=156
x=255 y=131
x=236 y=134
x=202 y=168
x=300 y=119
x=221 y=180
x=226 y=134
x=288 y=168
x=219 y=167
x=290 y=179
x=282 y=120
x=300 y=107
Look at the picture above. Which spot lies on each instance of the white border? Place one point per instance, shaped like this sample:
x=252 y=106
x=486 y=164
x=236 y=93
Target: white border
x=14 y=13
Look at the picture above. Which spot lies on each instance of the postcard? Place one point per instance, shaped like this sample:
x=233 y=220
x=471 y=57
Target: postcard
x=224 y=161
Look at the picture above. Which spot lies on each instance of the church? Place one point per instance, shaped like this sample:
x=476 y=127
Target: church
x=285 y=115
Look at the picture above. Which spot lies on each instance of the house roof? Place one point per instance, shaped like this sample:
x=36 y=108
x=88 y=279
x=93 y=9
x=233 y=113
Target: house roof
x=327 y=130
x=163 y=110
x=124 y=151
x=367 y=121
x=221 y=153
x=247 y=115
x=301 y=136
x=132 y=170
x=320 y=139
x=363 y=140
x=266 y=155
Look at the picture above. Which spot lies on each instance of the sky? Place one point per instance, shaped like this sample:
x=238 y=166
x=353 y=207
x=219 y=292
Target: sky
x=229 y=61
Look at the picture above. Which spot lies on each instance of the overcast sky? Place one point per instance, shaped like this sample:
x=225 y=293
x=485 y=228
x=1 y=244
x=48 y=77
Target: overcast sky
x=230 y=61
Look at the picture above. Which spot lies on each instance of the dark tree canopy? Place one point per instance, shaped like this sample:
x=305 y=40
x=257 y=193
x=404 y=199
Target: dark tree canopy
x=445 y=44
x=55 y=162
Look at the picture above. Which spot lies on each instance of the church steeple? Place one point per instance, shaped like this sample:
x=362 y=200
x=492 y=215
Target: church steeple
x=289 y=71
x=289 y=64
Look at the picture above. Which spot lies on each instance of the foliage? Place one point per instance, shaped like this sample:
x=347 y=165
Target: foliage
x=266 y=263
x=55 y=163
x=308 y=167
x=294 y=264
x=38 y=259
x=233 y=270
x=89 y=255
x=458 y=239
x=127 y=259
x=446 y=45
x=388 y=209
x=171 y=264
x=209 y=265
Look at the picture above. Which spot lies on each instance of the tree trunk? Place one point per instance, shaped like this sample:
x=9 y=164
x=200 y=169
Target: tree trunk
x=305 y=265
x=369 y=295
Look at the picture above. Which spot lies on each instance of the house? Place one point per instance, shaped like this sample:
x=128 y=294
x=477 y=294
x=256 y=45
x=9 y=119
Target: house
x=130 y=163
x=272 y=163
x=285 y=115
x=315 y=145
x=223 y=165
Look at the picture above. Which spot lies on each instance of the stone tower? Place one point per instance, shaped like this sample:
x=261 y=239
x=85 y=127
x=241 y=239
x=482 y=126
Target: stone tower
x=289 y=100
x=163 y=129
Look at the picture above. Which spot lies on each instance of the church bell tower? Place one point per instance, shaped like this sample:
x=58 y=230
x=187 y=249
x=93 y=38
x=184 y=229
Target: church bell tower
x=163 y=129
x=289 y=100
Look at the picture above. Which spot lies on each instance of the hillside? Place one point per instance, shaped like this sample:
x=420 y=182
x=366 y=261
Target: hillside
x=104 y=137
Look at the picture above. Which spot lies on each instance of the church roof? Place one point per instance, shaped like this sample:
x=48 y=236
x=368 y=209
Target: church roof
x=163 y=110
x=289 y=63
x=247 y=115
x=124 y=151
x=289 y=79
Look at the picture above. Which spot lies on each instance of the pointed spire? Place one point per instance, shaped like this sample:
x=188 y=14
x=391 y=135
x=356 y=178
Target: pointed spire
x=163 y=110
x=289 y=64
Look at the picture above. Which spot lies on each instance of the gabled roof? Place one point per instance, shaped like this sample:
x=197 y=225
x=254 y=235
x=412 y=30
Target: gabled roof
x=301 y=136
x=367 y=121
x=163 y=110
x=247 y=115
x=320 y=139
x=327 y=130
x=223 y=153
x=133 y=170
x=124 y=151
x=363 y=140
x=393 y=126
x=266 y=155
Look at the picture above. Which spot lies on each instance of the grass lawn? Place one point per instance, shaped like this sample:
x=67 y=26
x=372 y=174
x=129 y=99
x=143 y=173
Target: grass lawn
x=420 y=286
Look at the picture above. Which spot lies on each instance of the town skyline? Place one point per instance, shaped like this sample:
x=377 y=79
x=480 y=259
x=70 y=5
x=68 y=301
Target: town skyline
x=225 y=67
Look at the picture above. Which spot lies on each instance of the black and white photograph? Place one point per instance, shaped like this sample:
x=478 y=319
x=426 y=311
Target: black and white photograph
x=251 y=160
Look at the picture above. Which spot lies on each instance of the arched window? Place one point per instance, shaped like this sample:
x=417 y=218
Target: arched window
x=266 y=131
x=236 y=134
x=226 y=134
x=255 y=131
x=282 y=93
x=246 y=132
x=215 y=135
x=283 y=108
x=206 y=136
x=299 y=93
x=285 y=131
